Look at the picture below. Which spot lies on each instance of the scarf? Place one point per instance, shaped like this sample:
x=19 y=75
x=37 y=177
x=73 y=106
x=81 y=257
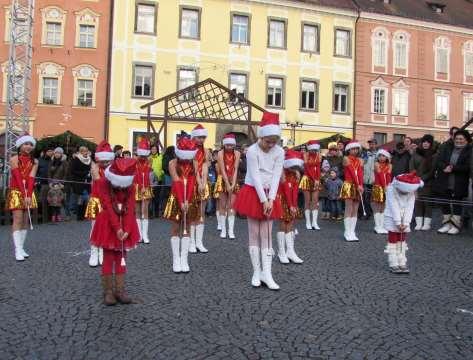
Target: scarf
x=84 y=160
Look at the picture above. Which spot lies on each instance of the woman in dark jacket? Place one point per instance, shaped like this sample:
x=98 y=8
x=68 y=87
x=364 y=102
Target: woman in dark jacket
x=422 y=162
x=452 y=179
x=80 y=175
x=56 y=173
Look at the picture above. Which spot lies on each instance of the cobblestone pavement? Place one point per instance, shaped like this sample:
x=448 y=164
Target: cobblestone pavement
x=342 y=303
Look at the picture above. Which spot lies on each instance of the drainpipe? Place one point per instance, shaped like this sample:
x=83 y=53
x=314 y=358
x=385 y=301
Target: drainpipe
x=354 y=62
x=109 y=71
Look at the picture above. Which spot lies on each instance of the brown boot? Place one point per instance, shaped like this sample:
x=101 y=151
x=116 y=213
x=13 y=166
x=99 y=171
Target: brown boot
x=107 y=284
x=120 y=292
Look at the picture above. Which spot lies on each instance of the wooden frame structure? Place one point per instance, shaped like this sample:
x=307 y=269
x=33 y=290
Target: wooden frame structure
x=204 y=102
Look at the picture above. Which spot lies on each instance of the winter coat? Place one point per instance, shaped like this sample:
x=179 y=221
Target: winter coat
x=336 y=162
x=461 y=171
x=369 y=158
x=80 y=174
x=423 y=163
x=43 y=164
x=399 y=209
x=400 y=163
x=57 y=169
x=333 y=187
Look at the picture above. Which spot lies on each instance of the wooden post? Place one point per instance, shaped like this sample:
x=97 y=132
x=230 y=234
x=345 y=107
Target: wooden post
x=165 y=123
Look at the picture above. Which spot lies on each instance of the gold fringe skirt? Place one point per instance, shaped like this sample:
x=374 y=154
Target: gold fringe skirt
x=349 y=191
x=307 y=184
x=16 y=200
x=93 y=208
x=378 y=194
x=173 y=212
x=286 y=211
x=206 y=195
x=148 y=194
x=219 y=187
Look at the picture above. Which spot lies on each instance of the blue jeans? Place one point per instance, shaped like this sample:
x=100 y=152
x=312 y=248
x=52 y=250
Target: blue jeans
x=335 y=208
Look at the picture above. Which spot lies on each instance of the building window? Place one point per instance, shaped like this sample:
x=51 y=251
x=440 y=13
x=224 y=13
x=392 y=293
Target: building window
x=442 y=58
x=85 y=93
x=468 y=60
x=400 y=102
x=401 y=52
x=398 y=138
x=53 y=33
x=468 y=104
x=50 y=86
x=379 y=101
x=190 y=23
x=53 y=20
x=342 y=42
x=277 y=33
x=86 y=36
x=85 y=83
x=309 y=95
x=240 y=29
x=380 y=138
x=380 y=47
x=187 y=77
x=18 y=89
x=340 y=98
x=239 y=83
x=145 y=18
x=143 y=81
x=275 y=91
x=310 y=38
x=21 y=27
x=442 y=105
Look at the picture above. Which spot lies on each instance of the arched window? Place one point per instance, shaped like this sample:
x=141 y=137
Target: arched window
x=442 y=49
x=401 y=53
x=53 y=22
x=85 y=84
x=87 y=27
x=50 y=80
x=380 y=44
x=468 y=61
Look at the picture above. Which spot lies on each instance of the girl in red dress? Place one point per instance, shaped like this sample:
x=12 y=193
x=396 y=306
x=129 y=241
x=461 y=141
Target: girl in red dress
x=226 y=186
x=21 y=198
x=288 y=192
x=257 y=199
x=182 y=207
x=352 y=188
x=103 y=156
x=310 y=184
x=116 y=230
x=199 y=135
x=382 y=178
x=143 y=189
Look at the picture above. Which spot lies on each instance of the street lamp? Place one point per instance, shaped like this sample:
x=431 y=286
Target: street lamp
x=293 y=126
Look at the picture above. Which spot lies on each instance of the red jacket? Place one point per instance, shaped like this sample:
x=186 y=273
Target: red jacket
x=353 y=171
x=289 y=188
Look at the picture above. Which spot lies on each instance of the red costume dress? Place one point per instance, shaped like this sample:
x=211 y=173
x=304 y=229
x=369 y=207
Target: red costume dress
x=142 y=181
x=94 y=206
x=353 y=172
x=382 y=178
x=21 y=185
x=109 y=221
x=288 y=192
x=173 y=212
x=311 y=172
x=229 y=158
x=201 y=157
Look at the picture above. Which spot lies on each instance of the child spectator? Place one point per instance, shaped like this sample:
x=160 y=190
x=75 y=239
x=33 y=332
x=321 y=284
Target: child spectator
x=333 y=185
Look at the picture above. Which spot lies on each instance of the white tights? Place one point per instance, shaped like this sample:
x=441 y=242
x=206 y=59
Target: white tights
x=259 y=233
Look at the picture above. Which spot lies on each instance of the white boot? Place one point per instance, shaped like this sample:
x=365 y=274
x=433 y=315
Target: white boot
x=315 y=225
x=140 y=230
x=291 y=253
x=353 y=228
x=100 y=256
x=427 y=224
x=185 y=241
x=401 y=257
x=376 y=223
x=17 y=242
x=347 y=224
x=391 y=250
x=308 y=224
x=231 y=226
x=255 y=261
x=94 y=256
x=219 y=224
x=144 y=227
x=456 y=225
x=176 y=259
x=223 y=226
x=266 y=276
x=381 y=224
x=447 y=225
x=199 y=236
x=23 y=239
x=282 y=248
x=419 y=224
x=192 y=248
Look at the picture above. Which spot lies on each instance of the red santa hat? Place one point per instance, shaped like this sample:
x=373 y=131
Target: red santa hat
x=229 y=139
x=104 y=152
x=384 y=153
x=408 y=182
x=25 y=138
x=352 y=145
x=313 y=145
x=269 y=125
x=293 y=158
x=121 y=172
x=199 y=131
x=144 y=147
x=186 y=149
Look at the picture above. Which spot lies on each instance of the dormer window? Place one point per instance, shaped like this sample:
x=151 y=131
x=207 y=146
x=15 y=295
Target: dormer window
x=437 y=7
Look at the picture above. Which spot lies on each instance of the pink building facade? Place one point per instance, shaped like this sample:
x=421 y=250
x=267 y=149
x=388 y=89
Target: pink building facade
x=412 y=77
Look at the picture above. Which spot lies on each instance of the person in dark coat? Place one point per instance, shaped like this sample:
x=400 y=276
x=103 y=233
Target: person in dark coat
x=422 y=162
x=80 y=177
x=400 y=160
x=452 y=179
x=42 y=174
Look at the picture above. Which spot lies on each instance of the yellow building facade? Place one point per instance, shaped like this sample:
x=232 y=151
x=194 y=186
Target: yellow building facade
x=289 y=57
